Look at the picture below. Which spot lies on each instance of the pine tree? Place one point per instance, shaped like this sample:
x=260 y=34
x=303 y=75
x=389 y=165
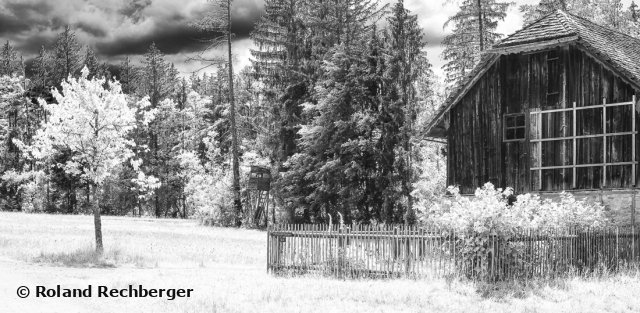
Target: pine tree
x=127 y=76
x=66 y=56
x=96 y=69
x=474 y=31
x=10 y=64
x=41 y=71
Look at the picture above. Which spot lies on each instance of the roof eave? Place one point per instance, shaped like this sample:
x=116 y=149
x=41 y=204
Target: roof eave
x=534 y=46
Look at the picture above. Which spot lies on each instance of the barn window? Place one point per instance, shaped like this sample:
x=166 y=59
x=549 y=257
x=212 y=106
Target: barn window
x=554 y=80
x=588 y=147
x=514 y=127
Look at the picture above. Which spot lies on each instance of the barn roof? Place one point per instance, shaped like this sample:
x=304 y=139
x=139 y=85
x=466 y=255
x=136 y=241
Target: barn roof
x=619 y=51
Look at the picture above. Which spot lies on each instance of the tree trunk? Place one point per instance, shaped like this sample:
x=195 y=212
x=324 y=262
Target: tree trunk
x=96 y=218
x=234 y=131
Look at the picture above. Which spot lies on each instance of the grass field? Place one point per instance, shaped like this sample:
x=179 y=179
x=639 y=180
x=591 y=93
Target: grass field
x=226 y=269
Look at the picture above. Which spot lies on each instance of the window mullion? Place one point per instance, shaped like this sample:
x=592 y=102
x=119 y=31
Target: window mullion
x=604 y=142
x=575 y=134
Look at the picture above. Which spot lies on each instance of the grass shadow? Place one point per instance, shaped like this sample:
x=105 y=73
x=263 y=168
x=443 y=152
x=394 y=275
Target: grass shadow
x=83 y=258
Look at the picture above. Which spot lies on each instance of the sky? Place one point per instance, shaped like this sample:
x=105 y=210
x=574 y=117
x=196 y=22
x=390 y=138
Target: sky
x=116 y=28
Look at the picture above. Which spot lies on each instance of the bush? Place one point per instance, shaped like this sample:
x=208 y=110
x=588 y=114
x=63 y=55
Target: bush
x=208 y=191
x=484 y=224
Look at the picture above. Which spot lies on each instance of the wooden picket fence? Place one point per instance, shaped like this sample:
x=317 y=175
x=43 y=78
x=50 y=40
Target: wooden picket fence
x=429 y=252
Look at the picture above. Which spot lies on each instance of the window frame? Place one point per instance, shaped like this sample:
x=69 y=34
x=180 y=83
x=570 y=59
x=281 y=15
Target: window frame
x=536 y=141
x=516 y=127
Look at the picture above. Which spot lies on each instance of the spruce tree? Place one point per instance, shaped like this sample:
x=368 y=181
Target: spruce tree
x=474 y=32
x=406 y=62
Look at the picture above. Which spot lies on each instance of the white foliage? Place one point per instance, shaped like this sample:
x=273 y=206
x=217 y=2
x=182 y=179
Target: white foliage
x=92 y=119
x=208 y=189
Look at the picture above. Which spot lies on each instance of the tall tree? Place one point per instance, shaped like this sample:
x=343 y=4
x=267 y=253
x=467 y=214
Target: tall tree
x=406 y=62
x=41 y=70
x=474 y=31
x=66 y=55
x=96 y=69
x=154 y=83
x=278 y=60
x=127 y=76
x=333 y=172
x=93 y=122
x=217 y=20
x=10 y=64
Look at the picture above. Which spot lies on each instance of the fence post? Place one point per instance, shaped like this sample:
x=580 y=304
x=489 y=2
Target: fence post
x=268 y=247
x=407 y=252
x=617 y=247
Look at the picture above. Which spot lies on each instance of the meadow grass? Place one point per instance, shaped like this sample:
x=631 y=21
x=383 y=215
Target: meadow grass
x=227 y=270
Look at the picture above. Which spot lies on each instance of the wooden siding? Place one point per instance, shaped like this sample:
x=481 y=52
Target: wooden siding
x=519 y=83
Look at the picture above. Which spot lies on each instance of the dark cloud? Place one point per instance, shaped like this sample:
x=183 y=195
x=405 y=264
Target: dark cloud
x=244 y=16
x=18 y=17
x=94 y=30
x=133 y=9
x=169 y=39
x=9 y=24
x=175 y=33
x=31 y=45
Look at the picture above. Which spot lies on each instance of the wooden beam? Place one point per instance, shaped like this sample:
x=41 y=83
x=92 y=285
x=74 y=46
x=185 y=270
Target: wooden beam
x=558 y=167
x=583 y=136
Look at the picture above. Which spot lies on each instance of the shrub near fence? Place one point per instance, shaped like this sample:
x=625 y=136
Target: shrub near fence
x=429 y=252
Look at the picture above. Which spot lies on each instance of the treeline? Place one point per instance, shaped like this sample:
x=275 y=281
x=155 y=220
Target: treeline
x=190 y=116
x=334 y=104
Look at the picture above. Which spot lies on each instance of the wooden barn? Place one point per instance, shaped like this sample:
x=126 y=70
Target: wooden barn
x=550 y=108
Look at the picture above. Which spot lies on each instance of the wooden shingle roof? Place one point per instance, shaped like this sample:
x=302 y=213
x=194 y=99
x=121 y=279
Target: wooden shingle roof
x=620 y=51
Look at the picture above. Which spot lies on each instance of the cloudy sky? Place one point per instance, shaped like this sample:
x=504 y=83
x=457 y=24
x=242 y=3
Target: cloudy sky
x=115 y=28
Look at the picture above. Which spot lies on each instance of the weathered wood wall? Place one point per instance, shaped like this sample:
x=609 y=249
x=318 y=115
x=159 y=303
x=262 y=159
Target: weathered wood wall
x=518 y=83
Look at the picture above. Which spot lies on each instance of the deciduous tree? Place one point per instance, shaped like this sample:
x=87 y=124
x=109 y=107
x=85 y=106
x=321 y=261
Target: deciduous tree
x=93 y=123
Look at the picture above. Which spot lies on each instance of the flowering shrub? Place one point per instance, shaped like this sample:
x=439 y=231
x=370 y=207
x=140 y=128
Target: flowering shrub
x=489 y=210
x=484 y=224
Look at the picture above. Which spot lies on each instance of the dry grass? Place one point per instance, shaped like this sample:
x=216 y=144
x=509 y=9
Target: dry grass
x=226 y=267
